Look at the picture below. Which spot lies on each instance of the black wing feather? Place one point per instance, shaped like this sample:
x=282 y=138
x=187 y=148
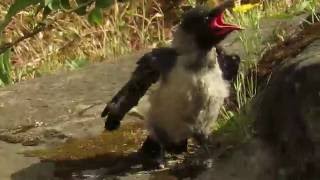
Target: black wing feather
x=228 y=63
x=150 y=68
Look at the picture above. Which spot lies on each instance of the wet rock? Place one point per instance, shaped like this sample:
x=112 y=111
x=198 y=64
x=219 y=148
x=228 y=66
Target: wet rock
x=53 y=133
x=250 y=161
x=31 y=141
x=10 y=138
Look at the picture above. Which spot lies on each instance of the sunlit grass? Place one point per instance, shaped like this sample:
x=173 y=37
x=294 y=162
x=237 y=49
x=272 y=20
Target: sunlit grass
x=127 y=27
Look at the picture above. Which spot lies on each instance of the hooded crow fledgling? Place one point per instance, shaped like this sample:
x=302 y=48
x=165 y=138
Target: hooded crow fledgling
x=194 y=77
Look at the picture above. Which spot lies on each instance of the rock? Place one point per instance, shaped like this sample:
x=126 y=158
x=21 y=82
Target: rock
x=57 y=98
x=48 y=111
x=53 y=133
x=250 y=161
x=9 y=138
x=31 y=141
x=286 y=50
x=268 y=27
x=287 y=115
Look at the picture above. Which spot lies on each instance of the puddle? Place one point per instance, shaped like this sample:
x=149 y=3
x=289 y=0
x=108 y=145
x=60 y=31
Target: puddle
x=107 y=153
x=123 y=141
x=111 y=155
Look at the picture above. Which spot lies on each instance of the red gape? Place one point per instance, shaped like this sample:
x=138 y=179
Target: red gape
x=221 y=27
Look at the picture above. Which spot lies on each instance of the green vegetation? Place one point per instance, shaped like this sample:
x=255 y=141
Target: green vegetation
x=5 y=68
x=45 y=37
x=237 y=123
x=76 y=63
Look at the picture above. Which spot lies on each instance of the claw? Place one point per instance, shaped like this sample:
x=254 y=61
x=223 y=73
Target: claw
x=111 y=124
x=161 y=159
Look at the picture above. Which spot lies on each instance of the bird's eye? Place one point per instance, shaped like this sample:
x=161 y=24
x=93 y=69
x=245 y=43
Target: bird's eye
x=206 y=19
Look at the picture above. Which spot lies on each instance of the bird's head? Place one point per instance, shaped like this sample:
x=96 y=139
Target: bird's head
x=207 y=26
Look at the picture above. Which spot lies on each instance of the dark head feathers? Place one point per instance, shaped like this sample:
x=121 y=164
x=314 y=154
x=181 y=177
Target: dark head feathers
x=198 y=23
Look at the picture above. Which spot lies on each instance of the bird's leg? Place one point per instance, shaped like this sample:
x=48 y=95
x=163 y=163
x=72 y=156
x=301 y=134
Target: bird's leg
x=151 y=148
x=203 y=142
x=154 y=151
x=177 y=148
x=161 y=159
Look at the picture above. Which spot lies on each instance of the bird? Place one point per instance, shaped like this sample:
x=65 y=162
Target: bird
x=194 y=76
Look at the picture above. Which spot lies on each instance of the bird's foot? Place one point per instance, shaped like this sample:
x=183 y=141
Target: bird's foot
x=161 y=161
x=177 y=148
x=153 y=154
x=203 y=142
x=111 y=124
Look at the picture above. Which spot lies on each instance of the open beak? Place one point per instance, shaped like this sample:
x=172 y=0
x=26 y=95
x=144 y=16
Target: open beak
x=217 y=19
x=218 y=22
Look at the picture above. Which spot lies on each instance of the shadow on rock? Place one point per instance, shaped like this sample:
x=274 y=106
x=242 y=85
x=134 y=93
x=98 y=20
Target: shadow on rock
x=95 y=167
x=41 y=170
x=287 y=116
x=112 y=165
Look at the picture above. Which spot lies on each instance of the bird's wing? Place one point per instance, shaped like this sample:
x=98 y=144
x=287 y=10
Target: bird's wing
x=150 y=67
x=229 y=64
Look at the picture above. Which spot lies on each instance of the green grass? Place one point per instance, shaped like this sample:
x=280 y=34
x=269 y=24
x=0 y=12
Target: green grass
x=237 y=124
x=76 y=63
x=5 y=69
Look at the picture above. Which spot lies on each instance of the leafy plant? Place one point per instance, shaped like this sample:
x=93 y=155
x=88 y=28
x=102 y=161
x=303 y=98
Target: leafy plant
x=47 y=6
x=64 y=35
x=76 y=63
x=5 y=69
x=14 y=9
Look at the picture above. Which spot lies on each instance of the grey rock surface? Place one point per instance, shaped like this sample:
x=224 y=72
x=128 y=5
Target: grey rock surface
x=288 y=114
x=49 y=110
x=59 y=97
